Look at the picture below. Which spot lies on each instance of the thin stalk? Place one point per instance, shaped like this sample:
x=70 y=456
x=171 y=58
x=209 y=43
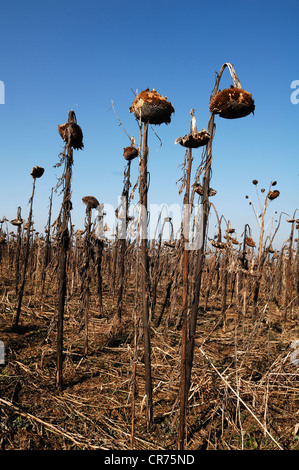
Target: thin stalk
x=62 y=273
x=123 y=242
x=86 y=276
x=47 y=249
x=144 y=271
x=289 y=274
x=297 y=264
x=17 y=261
x=199 y=263
x=183 y=382
x=21 y=290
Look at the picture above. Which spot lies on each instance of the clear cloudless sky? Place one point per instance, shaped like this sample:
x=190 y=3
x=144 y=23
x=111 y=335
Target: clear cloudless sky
x=84 y=55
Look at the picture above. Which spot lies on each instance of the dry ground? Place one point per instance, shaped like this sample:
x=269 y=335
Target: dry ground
x=244 y=392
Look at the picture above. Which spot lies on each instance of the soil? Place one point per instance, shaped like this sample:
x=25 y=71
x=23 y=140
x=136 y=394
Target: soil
x=244 y=390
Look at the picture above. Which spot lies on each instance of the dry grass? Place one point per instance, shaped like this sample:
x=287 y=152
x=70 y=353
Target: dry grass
x=244 y=391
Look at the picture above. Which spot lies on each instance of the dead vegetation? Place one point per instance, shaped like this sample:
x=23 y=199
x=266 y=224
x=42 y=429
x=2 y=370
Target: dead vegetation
x=244 y=387
x=144 y=344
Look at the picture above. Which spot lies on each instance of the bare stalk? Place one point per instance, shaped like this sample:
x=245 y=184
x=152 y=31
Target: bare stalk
x=47 y=248
x=63 y=242
x=63 y=247
x=21 y=290
x=183 y=382
x=144 y=271
x=200 y=257
x=122 y=241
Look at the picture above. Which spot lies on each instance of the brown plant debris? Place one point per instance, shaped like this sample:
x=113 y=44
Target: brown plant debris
x=249 y=242
x=16 y=222
x=194 y=140
x=245 y=378
x=199 y=190
x=273 y=194
x=130 y=153
x=90 y=201
x=151 y=107
x=232 y=103
x=37 y=172
x=72 y=134
x=219 y=245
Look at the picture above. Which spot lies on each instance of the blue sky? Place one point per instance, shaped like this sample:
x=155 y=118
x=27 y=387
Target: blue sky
x=57 y=56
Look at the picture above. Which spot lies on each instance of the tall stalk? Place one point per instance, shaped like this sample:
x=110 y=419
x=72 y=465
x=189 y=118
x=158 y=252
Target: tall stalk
x=47 y=248
x=144 y=271
x=72 y=135
x=297 y=263
x=289 y=272
x=36 y=173
x=183 y=383
x=149 y=107
x=200 y=257
x=122 y=241
x=86 y=276
x=19 y=243
x=64 y=240
x=190 y=335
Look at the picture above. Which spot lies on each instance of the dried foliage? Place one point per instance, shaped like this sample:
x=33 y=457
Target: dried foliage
x=90 y=201
x=232 y=103
x=37 y=172
x=195 y=140
x=130 y=153
x=249 y=242
x=244 y=388
x=134 y=318
x=71 y=133
x=151 y=107
x=273 y=194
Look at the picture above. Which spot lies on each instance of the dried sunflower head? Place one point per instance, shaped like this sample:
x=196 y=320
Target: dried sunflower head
x=130 y=153
x=198 y=139
x=37 y=172
x=16 y=222
x=273 y=194
x=232 y=103
x=151 y=107
x=71 y=132
x=249 y=242
x=90 y=201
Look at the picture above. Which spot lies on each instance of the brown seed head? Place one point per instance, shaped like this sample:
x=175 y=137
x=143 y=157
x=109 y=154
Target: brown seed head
x=232 y=103
x=273 y=195
x=219 y=245
x=199 y=139
x=151 y=107
x=90 y=201
x=16 y=222
x=72 y=134
x=37 y=172
x=249 y=242
x=130 y=153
